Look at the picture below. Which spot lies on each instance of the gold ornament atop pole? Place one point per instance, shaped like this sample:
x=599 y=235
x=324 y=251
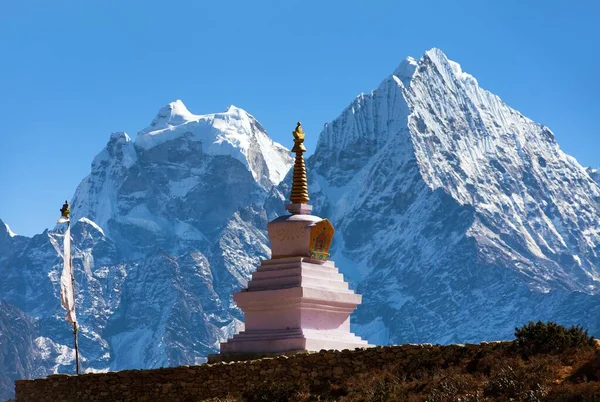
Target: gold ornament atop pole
x=299 y=184
x=65 y=210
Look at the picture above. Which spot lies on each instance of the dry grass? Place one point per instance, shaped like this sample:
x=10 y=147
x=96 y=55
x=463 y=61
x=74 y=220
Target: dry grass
x=457 y=374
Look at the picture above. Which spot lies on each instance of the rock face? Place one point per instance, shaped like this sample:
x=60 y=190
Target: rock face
x=457 y=219
x=19 y=355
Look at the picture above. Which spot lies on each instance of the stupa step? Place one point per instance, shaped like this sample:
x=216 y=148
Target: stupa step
x=245 y=336
x=267 y=266
x=253 y=335
x=295 y=265
x=296 y=260
x=291 y=340
x=296 y=280
x=331 y=334
x=333 y=297
x=294 y=311
x=299 y=271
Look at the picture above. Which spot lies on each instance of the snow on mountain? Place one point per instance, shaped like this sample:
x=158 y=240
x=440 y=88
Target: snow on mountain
x=142 y=183
x=233 y=132
x=8 y=231
x=504 y=164
x=96 y=196
x=458 y=217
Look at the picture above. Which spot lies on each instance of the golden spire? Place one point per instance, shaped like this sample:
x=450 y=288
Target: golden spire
x=299 y=184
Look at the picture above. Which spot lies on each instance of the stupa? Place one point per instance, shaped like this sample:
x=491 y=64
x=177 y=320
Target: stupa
x=297 y=300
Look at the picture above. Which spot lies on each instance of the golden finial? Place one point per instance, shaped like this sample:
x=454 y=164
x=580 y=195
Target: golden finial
x=299 y=184
x=65 y=210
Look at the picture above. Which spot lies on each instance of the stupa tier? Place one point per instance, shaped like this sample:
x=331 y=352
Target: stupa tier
x=297 y=300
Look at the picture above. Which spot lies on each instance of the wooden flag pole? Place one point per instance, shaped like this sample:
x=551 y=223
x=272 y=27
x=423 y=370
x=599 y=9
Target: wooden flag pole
x=75 y=329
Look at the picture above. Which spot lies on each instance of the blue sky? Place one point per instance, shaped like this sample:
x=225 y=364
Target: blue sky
x=72 y=72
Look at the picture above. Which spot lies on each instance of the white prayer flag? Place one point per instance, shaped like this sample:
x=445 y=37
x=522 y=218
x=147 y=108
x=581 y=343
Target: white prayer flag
x=67 y=298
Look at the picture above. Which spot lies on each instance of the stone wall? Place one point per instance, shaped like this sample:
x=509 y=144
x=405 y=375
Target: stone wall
x=193 y=383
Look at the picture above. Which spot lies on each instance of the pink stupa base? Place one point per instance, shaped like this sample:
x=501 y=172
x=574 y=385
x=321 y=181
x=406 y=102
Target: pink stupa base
x=290 y=340
x=295 y=304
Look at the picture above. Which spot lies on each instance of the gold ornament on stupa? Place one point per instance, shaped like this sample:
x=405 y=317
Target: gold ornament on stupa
x=321 y=235
x=299 y=183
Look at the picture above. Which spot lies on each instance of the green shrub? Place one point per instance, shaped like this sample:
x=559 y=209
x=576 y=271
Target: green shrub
x=550 y=337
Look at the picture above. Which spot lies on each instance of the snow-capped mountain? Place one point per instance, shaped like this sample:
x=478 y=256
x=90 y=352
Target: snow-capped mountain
x=461 y=217
x=143 y=183
x=457 y=219
x=165 y=228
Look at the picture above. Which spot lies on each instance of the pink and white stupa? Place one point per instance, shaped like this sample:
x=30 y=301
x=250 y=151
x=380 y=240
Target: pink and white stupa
x=297 y=300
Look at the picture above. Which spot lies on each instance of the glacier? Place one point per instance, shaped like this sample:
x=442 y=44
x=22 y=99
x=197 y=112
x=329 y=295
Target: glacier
x=457 y=218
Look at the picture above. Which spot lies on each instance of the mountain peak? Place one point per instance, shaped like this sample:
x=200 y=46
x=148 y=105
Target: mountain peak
x=119 y=147
x=4 y=226
x=462 y=139
x=234 y=113
x=447 y=66
x=406 y=69
x=172 y=114
x=234 y=132
x=432 y=57
x=118 y=136
x=232 y=109
x=436 y=54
